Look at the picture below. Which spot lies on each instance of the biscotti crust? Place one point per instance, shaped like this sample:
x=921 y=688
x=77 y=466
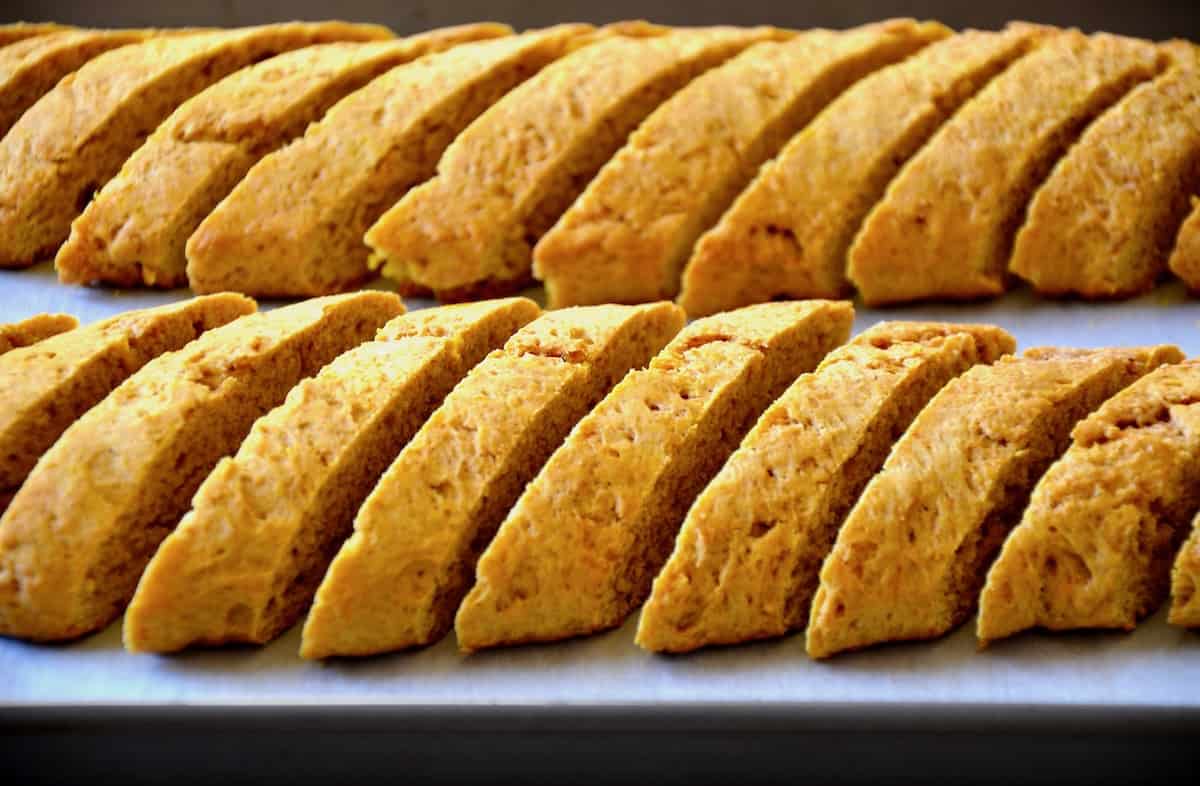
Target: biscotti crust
x=28 y=332
x=20 y=31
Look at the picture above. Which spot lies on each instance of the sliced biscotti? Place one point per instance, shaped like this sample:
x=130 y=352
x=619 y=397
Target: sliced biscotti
x=20 y=31
x=135 y=230
x=87 y=520
x=746 y=560
x=243 y=565
x=47 y=386
x=398 y=580
x=1185 y=582
x=628 y=236
x=507 y=179
x=295 y=225
x=578 y=552
x=1094 y=547
x=788 y=233
x=72 y=141
x=27 y=332
x=945 y=226
x=912 y=555
x=1184 y=261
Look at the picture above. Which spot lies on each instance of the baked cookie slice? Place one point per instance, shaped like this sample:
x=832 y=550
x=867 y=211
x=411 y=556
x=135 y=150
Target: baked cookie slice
x=133 y=233
x=77 y=536
x=746 y=560
x=398 y=580
x=1184 y=261
x=578 y=552
x=1185 y=582
x=910 y=559
x=21 y=31
x=788 y=233
x=945 y=226
x=72 y=141
x=506 y=180
x=27 y=332
x=1094 y=547
x=243 y=565
x=294 y=225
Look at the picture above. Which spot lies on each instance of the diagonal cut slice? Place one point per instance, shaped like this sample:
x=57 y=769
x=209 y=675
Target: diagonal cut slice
x=27 y=332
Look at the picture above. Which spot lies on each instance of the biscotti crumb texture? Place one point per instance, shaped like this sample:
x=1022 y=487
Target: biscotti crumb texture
x=243 y=565
x=399 y=579
x=911 y=557
x=76 y=538
x=579 y=551
x=1185 y=257
x=27 y=332
x=1185 y=582
x=295 y=225
x=746 y=561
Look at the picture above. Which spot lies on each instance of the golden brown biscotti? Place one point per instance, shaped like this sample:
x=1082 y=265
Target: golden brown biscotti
x=912 y=555
x=20 y=31
x=39 y=327
x=73 y=140
x=506 y=180
x=1103 y=223
x=1185 y=257
x=1094 y=547
x=945 y=226
x=47 y=386
x=398 y=580
x=134 y=232
x=243 y=565
x=295 y=225
x=77 y=536
x=746 y=560
x=578 y=552
x=788 y=233
x=1185 y=581
x=627 y=237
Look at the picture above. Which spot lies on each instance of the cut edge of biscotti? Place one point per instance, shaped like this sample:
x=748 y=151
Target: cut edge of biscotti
x=39 y=327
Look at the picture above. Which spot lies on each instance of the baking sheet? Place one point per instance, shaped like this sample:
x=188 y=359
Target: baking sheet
x=1155 y=667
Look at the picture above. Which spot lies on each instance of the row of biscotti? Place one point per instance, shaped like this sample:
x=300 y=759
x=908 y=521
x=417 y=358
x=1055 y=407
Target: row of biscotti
x=523 y=478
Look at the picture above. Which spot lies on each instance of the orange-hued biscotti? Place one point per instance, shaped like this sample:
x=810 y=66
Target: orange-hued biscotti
x=1104 y=222
x=399 y=579
x=76 y=537
x=243 y=565
x=73 y=140
x=787 y=234
x=746 y=560
x=27 y=332
x=1094 y=547
x=295 y=225
x=911 y=557
x=135 y=230
x=1185 y=582
x=578 y=552
x=626 y=238
x=47 y=386
x=20 y=31
x=507 y=179
x=1185 y=257
x=945 y=226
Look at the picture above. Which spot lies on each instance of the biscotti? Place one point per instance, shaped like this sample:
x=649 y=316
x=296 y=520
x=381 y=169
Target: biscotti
x=503 y=183
x=134 y=231
x=399 y=579
x=45 y=387
x=746 y=560
x=788 y=233
x=578 y=552
x=945 y=226
x=295 y=225
x=72 y=141
x=1185 y=582
x=1094 y=547
x=20 y=31
x=911 y=557
x=76 y=537
x=243 y=565
x=1185 y=257
x=15 y=335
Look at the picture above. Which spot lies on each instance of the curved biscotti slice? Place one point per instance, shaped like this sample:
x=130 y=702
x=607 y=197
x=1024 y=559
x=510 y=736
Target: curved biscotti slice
x=511 y=174
x=1094 y=547
x=746 y=560
x=294 y=226
x=1103 y=224
x=134 y=232
x=21 y=31
x=27 y=332
x=1185 y=257
x=1185 y=582
x=73 y=140
x=787 y=234
x=627 y=237
x=243 y=565
x=578 y=552
x=945 y=226
x=47 y=386
x=87 y=520
x=911 y=557
x=399 y=579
